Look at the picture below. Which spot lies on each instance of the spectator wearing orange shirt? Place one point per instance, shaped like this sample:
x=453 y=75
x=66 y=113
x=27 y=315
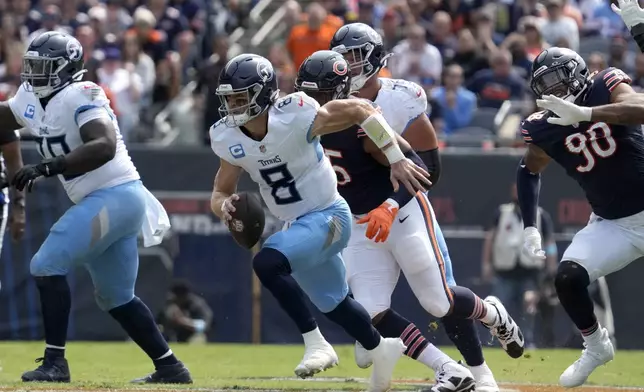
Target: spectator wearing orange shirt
x=305 y=39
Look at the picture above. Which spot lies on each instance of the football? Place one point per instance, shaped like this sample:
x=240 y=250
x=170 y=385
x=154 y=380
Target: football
x=248 y=220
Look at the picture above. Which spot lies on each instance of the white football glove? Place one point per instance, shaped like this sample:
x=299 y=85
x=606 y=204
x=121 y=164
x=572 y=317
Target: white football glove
x=630 y=12
x=532 y=243
x=567 y=112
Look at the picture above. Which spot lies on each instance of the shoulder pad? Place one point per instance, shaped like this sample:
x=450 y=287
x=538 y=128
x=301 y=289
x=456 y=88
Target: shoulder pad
x=533 y=123
x=223 y=143
x=85 y=93
x=218 y=131
x=611 y=78
x=296 y=102
x=409 y=94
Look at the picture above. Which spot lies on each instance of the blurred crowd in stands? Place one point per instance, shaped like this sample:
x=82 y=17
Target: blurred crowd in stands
x=471 y=56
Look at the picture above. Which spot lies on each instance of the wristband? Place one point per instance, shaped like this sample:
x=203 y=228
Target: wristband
x=394 y=153
x=392 y=202
x=54 y=166
x=377 y=129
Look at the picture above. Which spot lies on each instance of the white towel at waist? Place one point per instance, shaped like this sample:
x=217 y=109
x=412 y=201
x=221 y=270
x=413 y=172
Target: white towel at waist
x=156 y=223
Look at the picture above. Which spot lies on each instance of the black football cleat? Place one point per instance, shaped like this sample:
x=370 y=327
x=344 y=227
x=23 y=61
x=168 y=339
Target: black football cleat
x=169 y=374
x=50 y=370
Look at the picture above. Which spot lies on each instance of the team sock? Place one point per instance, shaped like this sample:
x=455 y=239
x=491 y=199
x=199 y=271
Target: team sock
x=393 y=325
x=274 y=271
x=55 y=304
x=462 y=332
x=137 y=320
x=355 y=320
x=572 y=282
x=468 y=305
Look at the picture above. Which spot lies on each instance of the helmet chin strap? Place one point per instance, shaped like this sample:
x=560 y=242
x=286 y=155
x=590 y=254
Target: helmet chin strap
x=572 y=98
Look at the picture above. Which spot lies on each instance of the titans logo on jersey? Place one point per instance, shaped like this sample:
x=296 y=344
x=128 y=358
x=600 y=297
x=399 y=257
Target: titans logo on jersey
x=606 y=160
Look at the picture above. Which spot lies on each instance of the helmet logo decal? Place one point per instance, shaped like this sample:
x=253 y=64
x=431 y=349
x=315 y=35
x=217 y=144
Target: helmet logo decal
x=74 y=50
x=340 y=67
x=265 y=70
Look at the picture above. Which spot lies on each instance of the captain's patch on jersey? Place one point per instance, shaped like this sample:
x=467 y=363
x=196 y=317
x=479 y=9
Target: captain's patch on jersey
x=30 y=110
x=237 y=151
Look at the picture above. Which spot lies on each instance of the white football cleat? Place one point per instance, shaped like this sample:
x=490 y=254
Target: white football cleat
x=385 y=357
x=593 y=356
x=484 y=378
x=454 y=378
x=505 y=329
x=317 y=358
x=363 y=357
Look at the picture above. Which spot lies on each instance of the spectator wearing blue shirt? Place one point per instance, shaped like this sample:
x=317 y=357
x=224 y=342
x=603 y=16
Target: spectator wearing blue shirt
x=457 y=104
x=498 y=83
x=610 y=24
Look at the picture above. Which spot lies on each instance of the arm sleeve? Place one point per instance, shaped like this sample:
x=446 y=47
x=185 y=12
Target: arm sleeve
x=431 y=159
x=528 y=185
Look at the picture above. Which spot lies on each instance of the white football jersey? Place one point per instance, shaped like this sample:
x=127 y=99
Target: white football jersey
x=401 y=102
x=57 y=131
x=293 y=175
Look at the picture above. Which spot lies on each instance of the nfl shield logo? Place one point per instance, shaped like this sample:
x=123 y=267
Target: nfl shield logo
x=262 y=148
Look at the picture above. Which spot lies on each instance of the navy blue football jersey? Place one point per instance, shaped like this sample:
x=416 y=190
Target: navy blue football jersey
x=362 y=181
x=606 y=160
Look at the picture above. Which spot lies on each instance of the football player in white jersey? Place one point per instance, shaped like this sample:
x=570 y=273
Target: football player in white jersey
x=277 y=142
x=404 y=106
x=81 y=144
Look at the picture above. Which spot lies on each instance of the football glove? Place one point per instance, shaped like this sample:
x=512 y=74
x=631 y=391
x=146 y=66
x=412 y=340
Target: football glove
x=26 y=176
x=532 y=243
x=379 y=220
x=567 y=112
x=630 y=12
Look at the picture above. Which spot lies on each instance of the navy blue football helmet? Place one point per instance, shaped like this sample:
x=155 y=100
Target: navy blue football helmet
x=324 y=76
x=560 y=72
x=247 y=88
x=53 y=60
x=363 y=49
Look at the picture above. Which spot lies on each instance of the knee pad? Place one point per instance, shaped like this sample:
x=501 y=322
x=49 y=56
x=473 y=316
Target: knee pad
x=437 y=307
x=269 y=262
x=571 y=275
x=113 y=298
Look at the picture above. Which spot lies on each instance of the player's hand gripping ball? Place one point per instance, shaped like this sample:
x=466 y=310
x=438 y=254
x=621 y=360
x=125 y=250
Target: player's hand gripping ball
x=247 y=223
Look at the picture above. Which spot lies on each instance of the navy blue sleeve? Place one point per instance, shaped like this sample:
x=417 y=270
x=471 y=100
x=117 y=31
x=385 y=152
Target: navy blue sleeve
x=528 y=185
x=432 y=161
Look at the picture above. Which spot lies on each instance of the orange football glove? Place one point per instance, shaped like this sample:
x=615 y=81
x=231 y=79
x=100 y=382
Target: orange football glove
x=380 y=220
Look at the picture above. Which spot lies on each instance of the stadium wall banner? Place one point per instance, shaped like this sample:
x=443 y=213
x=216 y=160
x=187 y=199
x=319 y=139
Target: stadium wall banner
x=200 y=249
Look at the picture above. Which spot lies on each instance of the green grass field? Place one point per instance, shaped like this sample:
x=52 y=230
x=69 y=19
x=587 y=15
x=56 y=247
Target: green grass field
x=245 y=367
